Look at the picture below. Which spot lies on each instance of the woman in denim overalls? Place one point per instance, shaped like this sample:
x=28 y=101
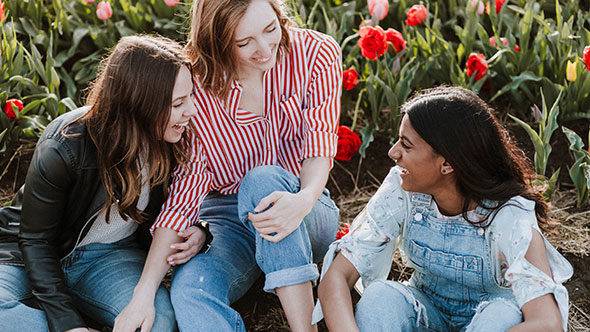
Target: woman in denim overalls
x=460 y=207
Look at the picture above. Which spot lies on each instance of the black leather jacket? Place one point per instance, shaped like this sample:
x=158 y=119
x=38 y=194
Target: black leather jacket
x=62 y=197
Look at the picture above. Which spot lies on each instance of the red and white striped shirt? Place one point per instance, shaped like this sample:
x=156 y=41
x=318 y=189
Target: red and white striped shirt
x=300 y=117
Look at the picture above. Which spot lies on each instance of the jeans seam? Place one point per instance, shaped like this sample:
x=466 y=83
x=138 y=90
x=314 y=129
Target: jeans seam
x=98 y=304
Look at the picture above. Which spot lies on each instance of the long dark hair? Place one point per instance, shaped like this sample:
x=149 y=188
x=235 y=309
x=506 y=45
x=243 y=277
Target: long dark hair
x=487 y=164
x=130 y=103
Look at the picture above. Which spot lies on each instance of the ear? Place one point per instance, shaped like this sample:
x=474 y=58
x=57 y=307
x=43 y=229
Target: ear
x=446 y=168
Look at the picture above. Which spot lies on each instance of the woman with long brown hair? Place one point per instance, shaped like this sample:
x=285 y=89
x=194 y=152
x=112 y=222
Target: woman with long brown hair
x=95 y=184
x=267 y=97
x=460 y=205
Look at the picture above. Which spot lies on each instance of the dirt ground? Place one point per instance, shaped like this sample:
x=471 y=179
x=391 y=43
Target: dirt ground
x=352 y=184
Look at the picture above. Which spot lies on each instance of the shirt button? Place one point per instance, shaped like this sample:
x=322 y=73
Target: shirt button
x=418 y=216
x=480 y=231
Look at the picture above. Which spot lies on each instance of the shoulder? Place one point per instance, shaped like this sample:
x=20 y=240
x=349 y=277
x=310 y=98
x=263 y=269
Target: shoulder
x=62 y=140
x=313 y=44
x=518 y=214
x=390 y=200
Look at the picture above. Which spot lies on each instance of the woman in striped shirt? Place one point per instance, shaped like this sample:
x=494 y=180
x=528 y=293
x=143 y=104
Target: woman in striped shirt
x=268 y=104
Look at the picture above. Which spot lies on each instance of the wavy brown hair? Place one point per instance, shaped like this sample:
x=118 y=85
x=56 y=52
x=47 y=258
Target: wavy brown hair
x=487 y=164
x=130 y=103
x=210 y=44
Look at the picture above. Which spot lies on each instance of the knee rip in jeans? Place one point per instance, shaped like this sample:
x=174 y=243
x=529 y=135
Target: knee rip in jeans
x=484 y=304
x=421 y=314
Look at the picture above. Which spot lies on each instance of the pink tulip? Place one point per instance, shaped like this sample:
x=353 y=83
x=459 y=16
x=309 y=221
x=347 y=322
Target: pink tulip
x=378 y=8
x=478 y=6
x=104 y=11
x=171 y=3
x=88 y=2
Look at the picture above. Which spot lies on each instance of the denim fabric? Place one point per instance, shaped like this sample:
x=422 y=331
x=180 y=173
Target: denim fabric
x=101 y=279
x=453 y=287
x=203 y=288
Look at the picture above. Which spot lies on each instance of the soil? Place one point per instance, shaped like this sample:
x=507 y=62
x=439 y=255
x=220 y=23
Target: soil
x=262 y=311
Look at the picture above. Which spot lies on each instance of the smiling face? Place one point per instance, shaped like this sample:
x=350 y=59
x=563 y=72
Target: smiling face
x=422 y=169
x=257 y=38
x=182 y=109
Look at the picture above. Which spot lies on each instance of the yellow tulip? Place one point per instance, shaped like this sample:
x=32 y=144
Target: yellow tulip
x=570 y=70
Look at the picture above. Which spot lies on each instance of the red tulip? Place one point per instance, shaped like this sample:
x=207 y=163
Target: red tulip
x=396 y=39
x=104 y=11
x=9 y=108
x=373 y=43
x=349 y=144
x=586 y=57
x=350 y=79
x=416 y=15
x=2 y=12
x=499 y=5
x=378 y=8
x=343 y=230
x=476 y=65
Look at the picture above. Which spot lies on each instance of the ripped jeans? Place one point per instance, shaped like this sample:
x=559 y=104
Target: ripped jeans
x=392 y=306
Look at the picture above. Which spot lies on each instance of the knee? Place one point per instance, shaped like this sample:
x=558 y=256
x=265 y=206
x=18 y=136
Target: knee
x=382 y=305
x=495 y=315
x=267 y=179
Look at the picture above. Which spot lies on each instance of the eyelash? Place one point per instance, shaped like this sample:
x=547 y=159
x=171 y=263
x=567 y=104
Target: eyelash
x=269 y=31
x=405 y=146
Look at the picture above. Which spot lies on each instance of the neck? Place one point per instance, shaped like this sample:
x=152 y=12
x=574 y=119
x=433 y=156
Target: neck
x=247 y=75
x=449 y=200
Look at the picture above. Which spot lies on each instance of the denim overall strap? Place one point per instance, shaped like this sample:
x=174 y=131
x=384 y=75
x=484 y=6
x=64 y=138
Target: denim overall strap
x=420 y=205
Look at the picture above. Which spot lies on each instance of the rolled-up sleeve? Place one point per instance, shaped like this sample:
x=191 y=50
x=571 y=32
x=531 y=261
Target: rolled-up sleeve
x=374 y=233
x=321 y=112
x=190 y=184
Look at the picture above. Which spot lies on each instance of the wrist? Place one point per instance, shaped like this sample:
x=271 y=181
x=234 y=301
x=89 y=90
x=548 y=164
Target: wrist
x=144 y=292
x=309 y=198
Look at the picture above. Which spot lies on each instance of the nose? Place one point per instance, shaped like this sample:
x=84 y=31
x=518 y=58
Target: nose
x=395 y=153
x=264 y=48
x=190 y=110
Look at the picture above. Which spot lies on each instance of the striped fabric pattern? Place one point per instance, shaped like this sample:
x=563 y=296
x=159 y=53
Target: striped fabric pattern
x=300 y=116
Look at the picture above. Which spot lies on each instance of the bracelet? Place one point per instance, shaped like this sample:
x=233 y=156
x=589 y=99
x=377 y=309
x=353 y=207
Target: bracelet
x=204 y=226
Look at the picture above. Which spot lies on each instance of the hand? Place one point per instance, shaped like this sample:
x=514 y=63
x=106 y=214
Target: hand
x=194 y=238
x=285 y=215
x=82 y=329
x=137 y=314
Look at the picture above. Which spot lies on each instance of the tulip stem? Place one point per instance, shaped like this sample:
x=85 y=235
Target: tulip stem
x=356 y=108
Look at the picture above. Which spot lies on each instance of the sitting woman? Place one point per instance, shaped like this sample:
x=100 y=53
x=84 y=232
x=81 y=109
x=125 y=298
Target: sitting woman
x=267 y=98
x=460 y=206
x=96 y=182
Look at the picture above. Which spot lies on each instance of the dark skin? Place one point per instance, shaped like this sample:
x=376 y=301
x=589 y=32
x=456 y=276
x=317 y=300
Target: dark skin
x=428 y=172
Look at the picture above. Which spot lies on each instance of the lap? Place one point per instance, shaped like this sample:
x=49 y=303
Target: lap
x=102 y=278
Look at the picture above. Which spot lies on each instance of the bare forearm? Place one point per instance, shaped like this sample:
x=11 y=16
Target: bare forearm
x=334 y=294
x=529 y=326
x=156 y=265
x=314 y=176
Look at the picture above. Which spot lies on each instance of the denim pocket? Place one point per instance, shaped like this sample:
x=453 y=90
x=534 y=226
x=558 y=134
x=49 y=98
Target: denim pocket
x=461 y=268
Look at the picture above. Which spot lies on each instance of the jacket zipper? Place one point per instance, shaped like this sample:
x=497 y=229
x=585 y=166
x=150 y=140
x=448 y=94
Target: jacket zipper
x=93 y=216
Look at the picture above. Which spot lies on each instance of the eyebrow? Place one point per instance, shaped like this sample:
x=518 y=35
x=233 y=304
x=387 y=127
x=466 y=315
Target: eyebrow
x=266 y=27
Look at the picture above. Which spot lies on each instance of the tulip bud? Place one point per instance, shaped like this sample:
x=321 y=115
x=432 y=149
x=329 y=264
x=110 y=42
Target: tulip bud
x=570 y=70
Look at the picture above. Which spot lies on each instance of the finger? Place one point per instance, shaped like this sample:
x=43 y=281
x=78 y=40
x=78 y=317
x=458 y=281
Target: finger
x=147 y=324
x=183 y=254
x=260 y=216
x=188 y=231
x=181 y=246
x=267 y=231
x=267 y=223
x=267 y=201
x=271 y=238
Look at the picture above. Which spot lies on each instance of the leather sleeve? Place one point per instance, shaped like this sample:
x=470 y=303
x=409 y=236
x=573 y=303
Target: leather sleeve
x=48 y=182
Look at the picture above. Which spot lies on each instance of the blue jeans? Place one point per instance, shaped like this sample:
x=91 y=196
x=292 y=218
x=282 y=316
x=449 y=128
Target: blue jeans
x=101 y=279
x=390 y=306
x=203 y=288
